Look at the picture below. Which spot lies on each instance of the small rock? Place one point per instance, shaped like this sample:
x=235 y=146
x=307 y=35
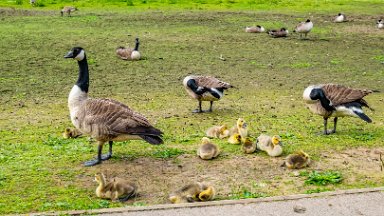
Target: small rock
x=299 y=209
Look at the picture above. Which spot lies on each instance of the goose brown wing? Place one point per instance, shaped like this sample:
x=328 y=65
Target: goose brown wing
x=211 y=82
x=116 y=118
x=124 y=53
x=339 y=94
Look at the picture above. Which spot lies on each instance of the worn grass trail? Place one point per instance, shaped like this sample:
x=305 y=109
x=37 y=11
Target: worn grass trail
x=40 y=171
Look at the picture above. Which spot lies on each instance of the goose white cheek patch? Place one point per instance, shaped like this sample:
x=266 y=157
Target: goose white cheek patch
x=80 y=56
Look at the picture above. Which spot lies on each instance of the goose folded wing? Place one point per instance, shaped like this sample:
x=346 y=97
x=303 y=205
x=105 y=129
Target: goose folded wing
x=339 y=94
x=212 y=82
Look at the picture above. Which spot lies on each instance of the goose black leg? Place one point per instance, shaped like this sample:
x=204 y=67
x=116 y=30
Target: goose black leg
x=210 y=107
x=334 y=125
x=198 y=110
x=109 y=154
x=98 y=159
x=325 y=126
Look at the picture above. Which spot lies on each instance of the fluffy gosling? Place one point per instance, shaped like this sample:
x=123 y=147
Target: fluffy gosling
x=220 y=132
x=207 y=194
x=207 y=149
x=271 y=145
x=235 y=139
x=188 y=193
x=248 y=145
x=117 y=189
x=72 y=133
x=297 y=161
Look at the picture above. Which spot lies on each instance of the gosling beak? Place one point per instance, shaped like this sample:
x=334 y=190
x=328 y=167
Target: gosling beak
x=245 y=125
x=69 y=54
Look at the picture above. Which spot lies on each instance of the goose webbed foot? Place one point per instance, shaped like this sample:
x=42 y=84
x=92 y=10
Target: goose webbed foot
x=328 y=132
x=92 y=162
x=197 y=111
x=109 y=154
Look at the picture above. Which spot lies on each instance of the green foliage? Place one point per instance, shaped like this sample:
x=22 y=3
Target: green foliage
x=167 y=153
x=246 y=194
x=130 y=3
x=322 y=178
x=19 y=2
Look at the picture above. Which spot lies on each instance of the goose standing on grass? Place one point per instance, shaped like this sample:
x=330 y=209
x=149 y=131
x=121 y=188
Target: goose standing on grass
x=304 y=28
x=105 y=120
x=129 y=53
x=255 y=29
x=340 y=18
x=331 y=100
x=380 y=24
x=283 y=32
x=205 y=88
x=68 y=10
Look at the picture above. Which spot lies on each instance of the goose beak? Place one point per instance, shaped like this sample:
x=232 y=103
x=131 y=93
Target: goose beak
x=69 y=54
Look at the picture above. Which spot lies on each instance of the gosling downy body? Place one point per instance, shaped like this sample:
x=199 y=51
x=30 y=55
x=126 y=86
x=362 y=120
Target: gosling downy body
x=271 y=145
x=220 y=132
x=205 y=88
x=340 y=18
x=116 y=189
x=72 y=133
x=235 y=139
x=283 y=32
x=207 y=194
x=105 y=120
x=207 y=149
x=248 y=145
x=297 y=161
x=241 y=128
x=255 y=29
x=129 y=53
x=331 y=100
x=188 y=193
x=304 y=28
x=68 y=10
x=380 y=24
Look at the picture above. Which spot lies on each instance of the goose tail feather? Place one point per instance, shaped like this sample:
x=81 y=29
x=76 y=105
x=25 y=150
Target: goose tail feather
x=363 y=116
x=152 y=139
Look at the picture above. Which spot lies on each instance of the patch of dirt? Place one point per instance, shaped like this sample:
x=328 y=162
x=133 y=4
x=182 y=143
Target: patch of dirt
x=230 y=174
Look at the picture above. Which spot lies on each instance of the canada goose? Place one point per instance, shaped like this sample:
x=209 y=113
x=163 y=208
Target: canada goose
x=297 y=161
x=205 y=88
x=380 y=24
x=340 y=18
x=235 y=139
x=283 y=32
x=68 y=10
x=331 y=100
x=105 y=120
x=271 y=145
x=188 y=193
x=220 y=132
x=32 y=2
x=71 y=133
x=304 y=28
x=255 y=29
x=207 y=194
x=129 y=53
x=116 y=189
x=207 y=149
x=248 y=146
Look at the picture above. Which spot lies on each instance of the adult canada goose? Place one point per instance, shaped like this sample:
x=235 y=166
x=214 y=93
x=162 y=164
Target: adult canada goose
x=304 y=28
x=255 y=29
x=380 y=24
x=68 y=10
x=340 y=18
x=205 y=88
x=331 y=100
x=129 y=53
x=283 y=32
x=105 y=120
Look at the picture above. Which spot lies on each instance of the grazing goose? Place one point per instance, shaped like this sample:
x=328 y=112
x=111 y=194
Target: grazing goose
x=278 y=33
x=380 y=24
x=105 y=120
x=129 y=53
x=115 y=189
x=304 y=28
x=68 y=10
x=207 y=149
x=255 y=29
x=340 y=18
x=205 y=88
x=297 y=161
x=330 y=100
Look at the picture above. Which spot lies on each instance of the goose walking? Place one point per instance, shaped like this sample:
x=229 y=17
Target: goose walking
x=129 y=53
x=331 y=100
x=105 y=120
x=205 y=88
x=304 y=28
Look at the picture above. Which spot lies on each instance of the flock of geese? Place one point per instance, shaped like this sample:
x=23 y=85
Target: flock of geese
x=108 y=120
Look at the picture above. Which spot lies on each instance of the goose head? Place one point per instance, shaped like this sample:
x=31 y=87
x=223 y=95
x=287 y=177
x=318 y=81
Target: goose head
x=312 y=94
x=77 y=53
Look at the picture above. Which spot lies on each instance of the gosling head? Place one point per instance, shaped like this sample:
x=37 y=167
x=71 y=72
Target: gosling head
x=303 y=154
x=237 y=137
x=205 y=140
x=276 y=140
x=241 y=123
x=223 y=128
x=77 y=53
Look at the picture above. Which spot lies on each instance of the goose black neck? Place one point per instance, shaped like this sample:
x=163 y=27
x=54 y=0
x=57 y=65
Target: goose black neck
x=83 y=80
x=324 y=101
x=137 y=46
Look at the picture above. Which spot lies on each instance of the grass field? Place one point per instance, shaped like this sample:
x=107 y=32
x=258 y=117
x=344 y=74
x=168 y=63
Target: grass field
x=41 y=171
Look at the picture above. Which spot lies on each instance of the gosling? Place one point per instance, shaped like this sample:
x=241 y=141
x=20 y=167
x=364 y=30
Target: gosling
x=271 y=145
x=188 y=193
x=207 y=149
x=248 y=145
x=207 y=194
x=72 y=133
x=220 y=132
x=235 y=139
x=297 y=161
x=116 y=190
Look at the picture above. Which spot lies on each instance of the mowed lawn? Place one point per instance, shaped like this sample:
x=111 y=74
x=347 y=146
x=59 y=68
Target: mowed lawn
x=41 y=171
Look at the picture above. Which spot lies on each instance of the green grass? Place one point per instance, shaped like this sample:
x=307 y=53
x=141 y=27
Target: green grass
x=39 y=169
x=322 y=178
